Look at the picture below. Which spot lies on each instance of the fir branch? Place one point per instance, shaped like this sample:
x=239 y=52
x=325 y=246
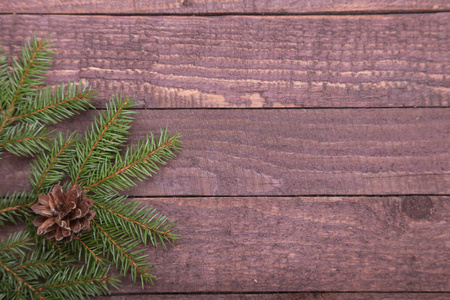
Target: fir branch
x=29 y=70
x=36 y=264
x=61 y=250
x=13 y=207
x=91 y=251
x=3 y=67
x=22 y=281
x=52 y=105
x=94 y=163
x=41 y=262
x=3 y=118
x=48 y=169
x=88 y=246
x=24 y=275
x=143 y=224
x=25 y=106
x=3 y=81
x=24 y=139
x=16 y=244
x=75 y=283
x=138 y=163
x=102 y=139
x=120 y=252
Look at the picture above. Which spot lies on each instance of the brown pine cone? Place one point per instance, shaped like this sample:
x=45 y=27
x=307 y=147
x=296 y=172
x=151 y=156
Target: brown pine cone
x=63 y=216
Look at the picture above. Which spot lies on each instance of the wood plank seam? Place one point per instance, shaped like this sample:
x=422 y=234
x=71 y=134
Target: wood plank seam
x=262 y=15
x=188 y=7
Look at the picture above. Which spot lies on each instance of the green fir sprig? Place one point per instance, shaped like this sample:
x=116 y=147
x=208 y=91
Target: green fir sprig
x=97 y=163
x=25 y=106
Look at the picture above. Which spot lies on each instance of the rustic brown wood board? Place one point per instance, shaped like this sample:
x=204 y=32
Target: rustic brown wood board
x=248 y=61
x=291 y=296
x=219 y=6
x=291 y=152
x=315 y=161
x=300 y=243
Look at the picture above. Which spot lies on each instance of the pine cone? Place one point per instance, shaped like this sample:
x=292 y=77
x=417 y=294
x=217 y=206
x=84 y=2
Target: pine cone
x=63 y=216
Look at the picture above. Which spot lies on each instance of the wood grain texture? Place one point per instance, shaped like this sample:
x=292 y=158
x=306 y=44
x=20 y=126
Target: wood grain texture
x=218 y=6
x=242 y=61
x=302 y=244
x=287 y=296
x=290 y=152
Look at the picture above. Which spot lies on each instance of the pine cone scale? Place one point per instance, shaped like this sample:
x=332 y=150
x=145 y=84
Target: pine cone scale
x=42 y=210
x=61 y=223
x=65 y=232
x=58 y=196
x=75 y=214
x=51 y=203
x=63 y=216
x=43 y=228
x=85 y=225
x=75 y=226
x=58 y=234
x=91 y=214
x=43 y=200
x=39 y=220
x=68 y=207
x=50 y=235
x=84 y=208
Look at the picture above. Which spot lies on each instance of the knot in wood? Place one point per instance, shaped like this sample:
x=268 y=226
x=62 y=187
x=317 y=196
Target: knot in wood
x=417 y=207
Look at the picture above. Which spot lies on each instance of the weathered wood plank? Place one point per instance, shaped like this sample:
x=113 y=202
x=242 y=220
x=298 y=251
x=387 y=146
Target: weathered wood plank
x=301 y=244
x=218 y=6
x=304 y=244
x=291 y=152
x=291 y=296
x=309 y=61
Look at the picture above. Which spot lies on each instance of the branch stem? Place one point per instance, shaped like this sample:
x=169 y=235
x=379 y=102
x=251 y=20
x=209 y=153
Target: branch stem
x=13 y=245
x=104 y=279
x=22 y=140
x=90 y=250
x=38 y=264
x=17 y=207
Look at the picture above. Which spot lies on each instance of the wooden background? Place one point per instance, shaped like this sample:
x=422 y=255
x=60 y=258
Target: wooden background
x=316 y=136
